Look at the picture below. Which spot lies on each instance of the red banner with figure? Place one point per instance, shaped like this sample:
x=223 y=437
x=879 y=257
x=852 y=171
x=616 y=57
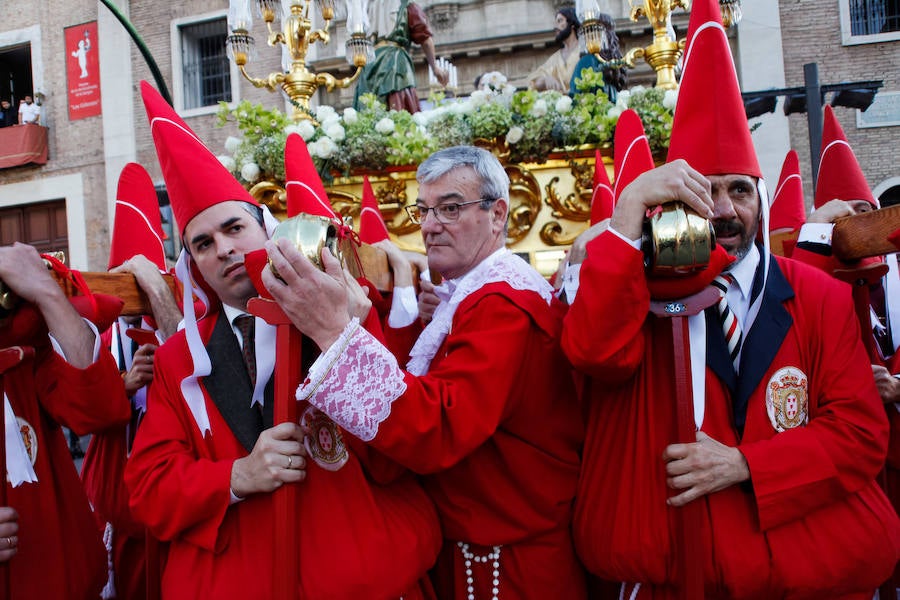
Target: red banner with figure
x=82 y=70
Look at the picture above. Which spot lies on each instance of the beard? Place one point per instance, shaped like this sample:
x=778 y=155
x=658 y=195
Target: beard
x=735 y=227
x=563 y=35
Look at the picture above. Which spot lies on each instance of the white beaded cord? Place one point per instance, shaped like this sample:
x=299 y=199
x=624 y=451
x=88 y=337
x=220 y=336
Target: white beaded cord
x=494 y=557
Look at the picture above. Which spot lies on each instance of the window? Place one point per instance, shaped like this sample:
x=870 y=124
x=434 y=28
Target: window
x=206 y=74
x=865 y=21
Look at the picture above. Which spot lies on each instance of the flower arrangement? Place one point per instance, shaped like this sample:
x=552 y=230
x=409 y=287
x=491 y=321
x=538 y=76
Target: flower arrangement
x=531 y=124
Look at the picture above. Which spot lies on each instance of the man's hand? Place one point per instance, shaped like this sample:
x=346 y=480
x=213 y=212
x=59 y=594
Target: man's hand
x=9 y=533
x=831 y=211
x=398 y=262
x=578 y=252
x=150 y=280
x=278 y=457
x=316 y=302
x=702 y=468
x=141 y=371
x=23 y=270
x=676 y=180
x=888 y=385
x=428 y=301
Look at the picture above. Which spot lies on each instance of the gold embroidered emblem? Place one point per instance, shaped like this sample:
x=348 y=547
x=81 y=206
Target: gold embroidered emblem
x=29 y=438
x=324 y=443
x=787 y=402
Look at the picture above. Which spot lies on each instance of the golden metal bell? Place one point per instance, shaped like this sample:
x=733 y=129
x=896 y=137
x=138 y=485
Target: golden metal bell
x=309 y=234
x=677 y=241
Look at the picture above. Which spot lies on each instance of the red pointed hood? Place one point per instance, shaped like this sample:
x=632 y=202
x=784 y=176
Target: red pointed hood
x=840 y=176
x=710 y=130
x=632 y=151
x=602 y=198
x=788 y=210
x=137 y=227
x=371 y=224
x=305 y=192
x=195 y=179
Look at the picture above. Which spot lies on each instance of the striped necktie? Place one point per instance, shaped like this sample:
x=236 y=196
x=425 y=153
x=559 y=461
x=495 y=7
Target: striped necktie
x=730 y=326
x=246 y=324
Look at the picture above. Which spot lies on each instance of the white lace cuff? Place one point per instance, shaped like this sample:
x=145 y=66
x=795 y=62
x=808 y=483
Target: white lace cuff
x=354 y=382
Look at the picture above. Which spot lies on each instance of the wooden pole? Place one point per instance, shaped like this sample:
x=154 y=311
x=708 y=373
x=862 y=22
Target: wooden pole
x=286 y=560
x=689 y=539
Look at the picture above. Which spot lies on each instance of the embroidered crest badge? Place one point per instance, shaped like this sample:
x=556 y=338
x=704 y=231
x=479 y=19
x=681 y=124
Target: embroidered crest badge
x=29 y=437
x=787 y=402
x=324 y=443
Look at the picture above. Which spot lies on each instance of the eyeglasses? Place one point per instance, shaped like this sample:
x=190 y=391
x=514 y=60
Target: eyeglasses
x=444 y=213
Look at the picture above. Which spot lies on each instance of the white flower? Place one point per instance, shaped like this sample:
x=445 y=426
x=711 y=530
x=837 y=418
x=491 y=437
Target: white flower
x=539 y=108
x=564 y=105
x=384 y=126
x=306 y=130
x=324 y=147
x=615 y=111
x=492 y=80
x=292 y=128
x=250 y=171
x=232 y=144
x=479 y=98
x=638 y=89
x=514 y=135
x=350 y=115
x=227 y=162
x=670 y=99
x=324 y=112
x=622 y=99
x=335 y=131
x=421 y=118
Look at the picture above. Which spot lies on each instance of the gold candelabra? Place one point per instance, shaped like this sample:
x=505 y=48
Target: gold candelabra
x=665 y=51
x=297 y=36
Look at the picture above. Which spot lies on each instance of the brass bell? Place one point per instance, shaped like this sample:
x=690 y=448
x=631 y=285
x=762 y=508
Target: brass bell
x=676 y=241
x=8 y=300
x=309 y=234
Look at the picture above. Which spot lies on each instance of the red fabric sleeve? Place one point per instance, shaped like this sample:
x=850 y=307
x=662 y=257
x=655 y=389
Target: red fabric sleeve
x=84 y=400
x=461 y=401
x=419 y=31
x=173 y=491
x=602 y=332
x=844 y=444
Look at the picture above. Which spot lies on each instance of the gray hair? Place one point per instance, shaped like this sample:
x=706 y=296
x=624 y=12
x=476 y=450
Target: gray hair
x=494 y=180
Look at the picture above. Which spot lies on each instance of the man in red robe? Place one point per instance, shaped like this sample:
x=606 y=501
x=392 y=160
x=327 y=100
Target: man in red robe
x=137 y=248
x=72 y=381
x=485 y=409
x=790 y=429
x=207 y=456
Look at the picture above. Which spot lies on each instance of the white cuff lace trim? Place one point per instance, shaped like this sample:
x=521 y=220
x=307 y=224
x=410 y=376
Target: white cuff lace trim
x=354 y=382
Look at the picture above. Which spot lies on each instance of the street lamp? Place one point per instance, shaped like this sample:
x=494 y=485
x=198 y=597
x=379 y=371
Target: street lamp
x=297 y=35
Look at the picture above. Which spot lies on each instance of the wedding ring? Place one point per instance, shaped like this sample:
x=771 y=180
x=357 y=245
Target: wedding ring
x=290 y=461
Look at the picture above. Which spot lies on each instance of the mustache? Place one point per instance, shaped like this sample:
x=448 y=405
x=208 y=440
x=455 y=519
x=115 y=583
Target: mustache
x=728 y=228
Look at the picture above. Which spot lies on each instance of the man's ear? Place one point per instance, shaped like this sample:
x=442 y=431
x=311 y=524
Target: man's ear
x=499 y=213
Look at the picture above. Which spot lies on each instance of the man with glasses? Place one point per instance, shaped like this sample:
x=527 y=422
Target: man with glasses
x=484 y=408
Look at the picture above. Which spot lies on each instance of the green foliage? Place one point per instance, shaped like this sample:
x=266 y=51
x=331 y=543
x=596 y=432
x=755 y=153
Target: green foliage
x=534 y=124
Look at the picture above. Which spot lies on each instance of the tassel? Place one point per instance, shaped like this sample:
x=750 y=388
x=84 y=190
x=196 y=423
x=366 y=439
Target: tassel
x=109 y=590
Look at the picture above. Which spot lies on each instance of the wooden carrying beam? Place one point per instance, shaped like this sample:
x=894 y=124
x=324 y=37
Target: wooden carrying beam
x=120 y=285
x=866 y=234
